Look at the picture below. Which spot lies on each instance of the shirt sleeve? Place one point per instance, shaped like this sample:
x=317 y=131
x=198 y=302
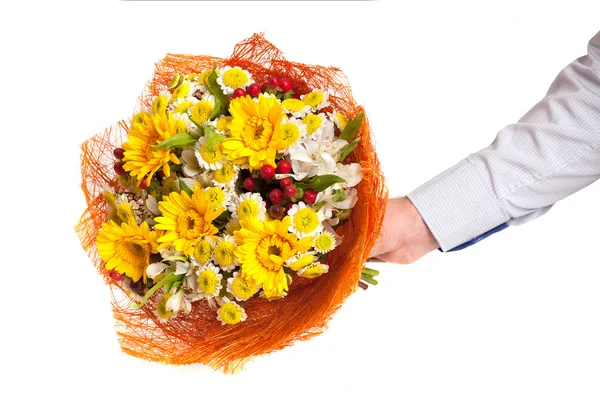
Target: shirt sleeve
x=550 y=153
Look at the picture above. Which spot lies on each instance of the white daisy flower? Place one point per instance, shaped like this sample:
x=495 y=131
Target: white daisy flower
x=230 y=313
x=300 y=261
x=314 y=124
x=209 y=281
x=202 y=110
x=203 y=252
x=217 y=197
x=224 y=253
x=338 y=119
x=324 y=242
x=209 y=158
x=248 y=205
x=226 y=176
x=241 y=287
x=233 y=78
x=316 y=100
x=305 y=220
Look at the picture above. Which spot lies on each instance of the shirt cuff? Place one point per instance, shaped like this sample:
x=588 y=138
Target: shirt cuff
x=458 y=205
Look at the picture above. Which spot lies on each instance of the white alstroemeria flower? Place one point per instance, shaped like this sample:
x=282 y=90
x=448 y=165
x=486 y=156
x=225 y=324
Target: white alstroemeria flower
x=310 y=158
x=189 y=271
x=351 y=173
x=152 y=205
x=178 y=302
x=191 y=167
x=154 y=269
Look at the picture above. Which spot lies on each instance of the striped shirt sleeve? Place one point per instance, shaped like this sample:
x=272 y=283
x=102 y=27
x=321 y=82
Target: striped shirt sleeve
x=550 y=153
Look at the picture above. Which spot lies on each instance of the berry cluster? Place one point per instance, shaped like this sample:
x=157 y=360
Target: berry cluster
x=274 y=86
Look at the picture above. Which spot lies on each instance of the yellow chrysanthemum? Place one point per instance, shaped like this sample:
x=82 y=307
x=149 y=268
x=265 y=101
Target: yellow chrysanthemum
x=146 y=132
x=223 y=124
x=293 y=105
x=225 y=252
x=298 y=262
x=313 y=270
x=204 y=75
x=209 y=281
x=201 y=111
x=183 y=107
x=247 y=206
x=313 y=99
x=225 y=174
x=127 y=248
x=289 y=134
x=263 y=249
x=186 y=219
x=242 y=287
x=313 y=122
x=254 y=130
x=215 y=197
x=231 y=313
x=202 y=251
x=181 y=92
x=305 y=220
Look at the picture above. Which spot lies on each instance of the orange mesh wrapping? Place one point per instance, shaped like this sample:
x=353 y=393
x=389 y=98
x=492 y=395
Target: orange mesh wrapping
x=198 y=337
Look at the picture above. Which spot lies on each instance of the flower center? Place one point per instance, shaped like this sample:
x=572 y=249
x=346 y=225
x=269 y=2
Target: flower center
x=202 y=251
x=247 y=209
x=190 y=224
x=215 y=197
x=306 y=220
x=224 y=253
x=207 y=282
x=235 y=78
x=312 y=122
x=133 y=251
x=202 y=111
x=224 y=174
x=293 y=105
x=269 y=252
x=289 y=134
x=242 y=288
x=313 y=99
x=211 y=154
x=230 y=313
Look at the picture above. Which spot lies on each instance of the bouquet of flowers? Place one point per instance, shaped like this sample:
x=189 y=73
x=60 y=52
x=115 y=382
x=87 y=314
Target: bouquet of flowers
x=234 y=188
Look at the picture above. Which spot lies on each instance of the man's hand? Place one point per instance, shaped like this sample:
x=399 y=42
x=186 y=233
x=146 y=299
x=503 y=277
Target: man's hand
x=404 y=237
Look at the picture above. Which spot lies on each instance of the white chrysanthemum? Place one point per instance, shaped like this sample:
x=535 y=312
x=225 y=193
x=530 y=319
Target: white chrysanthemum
x=248 y=205
x=305 y=220
x=314 y=124
x=324 y=242
x=200 y=79
x=233 y=78
x=209 y=158
x=316 y=100
x=222 y=124
x=182 y=106
x=209 y=281
x=224 y=253
x=313 y=270
x=242 y=287
x=203 y=251
x=230 y=313
x=296 y=108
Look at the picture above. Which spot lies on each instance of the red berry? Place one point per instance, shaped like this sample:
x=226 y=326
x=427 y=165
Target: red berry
x=273 y=82
x=285 y=84
x=144 y=183
x=309 y=196
x=283 y=167
x=276 y=196
x=239 y=92
x=276 y=211
x=288 y=206
x=118 y=167
x=115 y=276
x=160 y=174
x=264 y=86
x=250 y=183
x=119 y=153
x=254 y=89
x=290 y=191
x=137 y=286
x=285 y=182
x=267 y=172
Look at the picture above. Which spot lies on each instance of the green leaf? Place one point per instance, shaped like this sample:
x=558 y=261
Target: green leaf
x=181 y=139
x=322 y=182
x=221 y=101
x=185 y=188
x=212 y=138
x=347 y=149
x=167 y=280
x=352 y=127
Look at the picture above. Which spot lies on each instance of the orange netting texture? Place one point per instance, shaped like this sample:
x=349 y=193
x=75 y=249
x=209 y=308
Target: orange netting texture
x=198 y=337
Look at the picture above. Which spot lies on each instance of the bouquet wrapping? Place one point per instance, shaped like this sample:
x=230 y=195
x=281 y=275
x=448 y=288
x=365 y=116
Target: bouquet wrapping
x=231 y=219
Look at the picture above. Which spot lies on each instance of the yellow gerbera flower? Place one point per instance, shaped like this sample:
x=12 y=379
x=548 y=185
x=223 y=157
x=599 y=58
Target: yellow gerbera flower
x=263 y=249
x=146 y=132
x=254 y=130
x=186 y=220
x=126 y=248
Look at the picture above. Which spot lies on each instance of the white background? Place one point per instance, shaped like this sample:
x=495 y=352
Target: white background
x=515 y=317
